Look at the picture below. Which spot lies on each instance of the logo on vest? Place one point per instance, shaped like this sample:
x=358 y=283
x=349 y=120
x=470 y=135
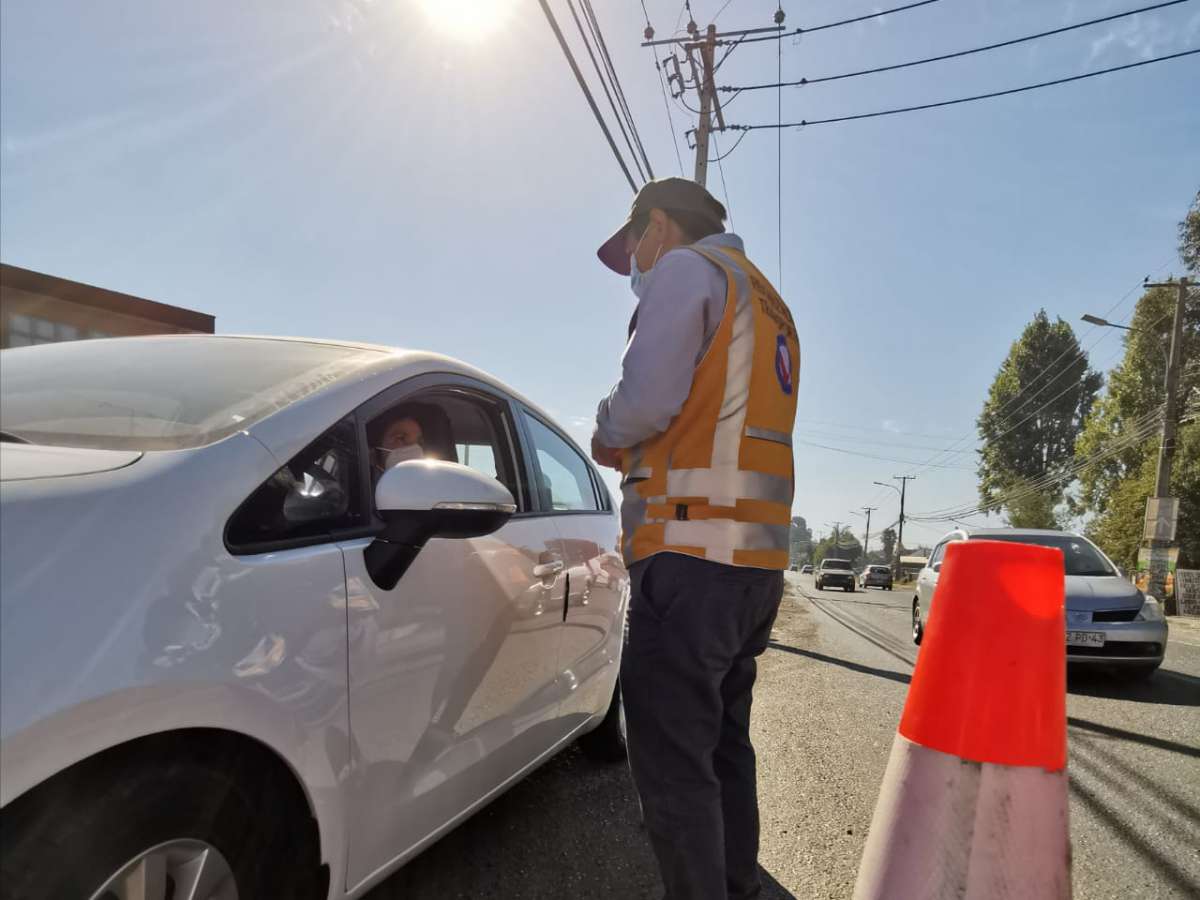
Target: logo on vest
x=783 y=364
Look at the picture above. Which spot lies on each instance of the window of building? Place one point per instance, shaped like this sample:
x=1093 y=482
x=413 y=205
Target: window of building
x=25 y=331
x=564 y=477
x=316 y=496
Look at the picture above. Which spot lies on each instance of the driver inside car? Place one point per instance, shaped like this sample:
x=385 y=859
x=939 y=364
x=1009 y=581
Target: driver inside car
x=400 y=440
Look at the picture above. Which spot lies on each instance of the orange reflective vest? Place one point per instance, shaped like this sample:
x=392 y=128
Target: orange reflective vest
x=718 y=482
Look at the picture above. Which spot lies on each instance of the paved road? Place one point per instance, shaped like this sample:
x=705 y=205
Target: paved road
x=831 y=688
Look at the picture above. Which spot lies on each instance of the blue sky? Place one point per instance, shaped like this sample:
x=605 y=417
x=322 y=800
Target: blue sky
x=359 y=171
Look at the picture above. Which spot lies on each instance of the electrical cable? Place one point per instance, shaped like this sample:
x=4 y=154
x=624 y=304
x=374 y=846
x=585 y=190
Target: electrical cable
x=587 y=93
x=779 y=164
x=874 y=15
x=724 y=187
x=729 y=151
x=932 y=59
x=614 y=79
x=1029 y=87
x=670 y=119
x=717 y=14
x=604 y=84
x=906 y=462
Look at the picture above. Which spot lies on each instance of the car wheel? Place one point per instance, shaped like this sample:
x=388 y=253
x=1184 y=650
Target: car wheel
x=918 y=630
x=156 y=829
x=850 y=589
x=607 y=742
x=817 y=583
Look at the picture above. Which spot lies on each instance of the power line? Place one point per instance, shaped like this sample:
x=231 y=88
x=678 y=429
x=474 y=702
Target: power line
x=906 y=462
x=729 y=151
x=670 y=119
x=598 y=35
x=1029 y=87
x=724 y=187
x=604 y=84
x=956 y=55
x=874 y=15
x=562 y=42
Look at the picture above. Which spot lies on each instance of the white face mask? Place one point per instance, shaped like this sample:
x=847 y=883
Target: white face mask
x=638 y=280
x=401 y=454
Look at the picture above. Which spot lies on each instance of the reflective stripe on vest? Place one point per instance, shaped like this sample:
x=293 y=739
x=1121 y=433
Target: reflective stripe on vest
x=718 y=482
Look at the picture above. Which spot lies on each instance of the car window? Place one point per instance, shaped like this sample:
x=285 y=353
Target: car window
x=938 y=552
x=317 y=494
x=1080 y=556
x=564 y=477
x=835 y=564
x=159 y=393
x=456 y=425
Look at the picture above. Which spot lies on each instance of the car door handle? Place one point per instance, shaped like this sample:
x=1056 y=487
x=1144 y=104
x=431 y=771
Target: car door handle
x=545 y=570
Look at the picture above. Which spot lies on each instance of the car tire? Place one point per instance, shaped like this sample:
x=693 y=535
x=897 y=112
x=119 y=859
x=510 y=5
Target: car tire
x=607 y=743
x=918 y=630
x=74 y=835
x=817 y=584
x=850 y=589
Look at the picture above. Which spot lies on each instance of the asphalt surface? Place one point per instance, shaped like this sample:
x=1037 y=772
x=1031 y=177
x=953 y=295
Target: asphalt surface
x=830 y=692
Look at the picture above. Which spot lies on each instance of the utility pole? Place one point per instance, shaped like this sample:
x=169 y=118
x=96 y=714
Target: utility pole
x=904 y=480
x=709 y=102
x=702 y=76
x=867 y=534
x=1166 y=451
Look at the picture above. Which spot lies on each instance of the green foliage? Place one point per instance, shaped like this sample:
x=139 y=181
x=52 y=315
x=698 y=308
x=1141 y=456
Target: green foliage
x=1037 y=403
x=1118 y=526
x=1030 y=508
x=889 y=545
x=1189 y=237
x=845 y=547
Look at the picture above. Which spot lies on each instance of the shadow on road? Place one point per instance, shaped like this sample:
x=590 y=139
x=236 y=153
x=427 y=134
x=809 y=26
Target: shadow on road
x=570 y=830
x=844 y=663
x=1165 y=686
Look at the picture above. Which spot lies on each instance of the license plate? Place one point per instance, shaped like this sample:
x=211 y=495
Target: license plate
x=1085 y=638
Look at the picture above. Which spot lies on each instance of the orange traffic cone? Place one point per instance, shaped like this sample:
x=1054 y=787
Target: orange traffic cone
x=974 y=801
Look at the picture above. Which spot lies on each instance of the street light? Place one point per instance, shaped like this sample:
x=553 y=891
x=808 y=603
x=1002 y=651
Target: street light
x=1096 y=320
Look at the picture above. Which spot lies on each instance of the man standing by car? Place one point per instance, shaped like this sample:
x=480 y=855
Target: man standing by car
x=700 y=426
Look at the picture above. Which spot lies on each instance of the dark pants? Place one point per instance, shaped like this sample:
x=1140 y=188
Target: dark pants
x=687 y=674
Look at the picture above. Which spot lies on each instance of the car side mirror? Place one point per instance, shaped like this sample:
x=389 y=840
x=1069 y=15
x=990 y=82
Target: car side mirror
x=937 y=567
x=423 y=499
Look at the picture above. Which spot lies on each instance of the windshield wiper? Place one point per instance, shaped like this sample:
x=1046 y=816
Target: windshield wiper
x=7 y=437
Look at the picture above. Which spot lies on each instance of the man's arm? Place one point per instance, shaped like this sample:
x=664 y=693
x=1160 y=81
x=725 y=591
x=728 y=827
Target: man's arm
x=660 y=358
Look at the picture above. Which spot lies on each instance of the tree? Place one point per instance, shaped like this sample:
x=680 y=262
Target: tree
x=1035 y=407
x=844 y=547
x=1189 y=237
x=1030 y=507
x=1123 y=430
x=889 y=545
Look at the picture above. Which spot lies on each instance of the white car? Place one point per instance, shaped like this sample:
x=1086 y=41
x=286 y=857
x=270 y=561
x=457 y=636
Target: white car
x=239 y=657
x=1109 y=621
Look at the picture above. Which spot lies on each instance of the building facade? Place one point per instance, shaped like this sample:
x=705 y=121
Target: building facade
x=40 y=309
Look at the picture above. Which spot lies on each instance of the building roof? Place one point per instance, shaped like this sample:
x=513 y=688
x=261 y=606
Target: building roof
x=101 y=298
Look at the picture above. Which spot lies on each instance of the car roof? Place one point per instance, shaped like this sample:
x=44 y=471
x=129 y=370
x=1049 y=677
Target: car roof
x=1017 y=532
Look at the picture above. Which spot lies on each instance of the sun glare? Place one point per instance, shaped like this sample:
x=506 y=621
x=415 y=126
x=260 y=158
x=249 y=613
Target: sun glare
x=470 y=20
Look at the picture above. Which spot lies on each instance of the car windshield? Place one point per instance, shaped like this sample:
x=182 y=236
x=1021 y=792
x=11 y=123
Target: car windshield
x=879 y=570
x=1080 y=555
x=162 y=393
x=835 y=564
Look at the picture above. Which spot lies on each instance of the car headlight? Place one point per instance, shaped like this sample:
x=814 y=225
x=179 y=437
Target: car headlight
x=1151 y=610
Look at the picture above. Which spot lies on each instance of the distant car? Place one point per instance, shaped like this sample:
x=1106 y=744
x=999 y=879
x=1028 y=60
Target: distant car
x=239 y=648
x=835 y=573
x=1109 y=621
x=876 y=576
x=806 y=570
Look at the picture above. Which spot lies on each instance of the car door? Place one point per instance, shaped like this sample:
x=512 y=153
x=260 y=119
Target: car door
x=452 y=671
x=593 y=611
x=928 y=579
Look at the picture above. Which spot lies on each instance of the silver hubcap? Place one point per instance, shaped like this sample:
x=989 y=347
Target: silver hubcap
x=174 y=870
x=916 y=619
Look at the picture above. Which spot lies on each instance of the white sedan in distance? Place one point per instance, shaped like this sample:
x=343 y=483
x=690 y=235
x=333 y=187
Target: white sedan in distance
x=275 y=614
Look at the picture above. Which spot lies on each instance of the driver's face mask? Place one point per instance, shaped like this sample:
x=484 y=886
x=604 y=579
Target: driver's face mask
x=400 y=454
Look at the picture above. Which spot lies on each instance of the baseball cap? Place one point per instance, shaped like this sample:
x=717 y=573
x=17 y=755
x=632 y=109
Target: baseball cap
x=667 y=194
